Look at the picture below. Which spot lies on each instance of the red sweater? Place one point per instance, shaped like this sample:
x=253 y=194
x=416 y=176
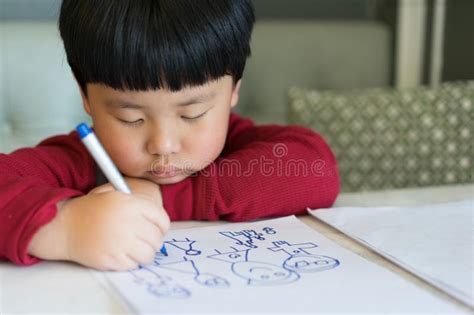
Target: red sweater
x=283 y=170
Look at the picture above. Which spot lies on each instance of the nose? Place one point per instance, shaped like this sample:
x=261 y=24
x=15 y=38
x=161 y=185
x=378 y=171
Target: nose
x=163 y=142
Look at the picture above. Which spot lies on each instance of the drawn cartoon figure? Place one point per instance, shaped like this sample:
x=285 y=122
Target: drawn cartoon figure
x=158 y=285
x=269 y=230
x=186 y=245
x=245 y=237
x=254 y=272
x=302 y=261
x=189 y=267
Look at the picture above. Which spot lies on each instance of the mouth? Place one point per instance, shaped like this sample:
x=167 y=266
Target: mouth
x=165 y=171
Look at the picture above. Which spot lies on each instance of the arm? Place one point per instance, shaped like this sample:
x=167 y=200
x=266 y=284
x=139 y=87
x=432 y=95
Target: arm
x=264 y=171
x=32 y=181
x=45 y=213
x=106 y=229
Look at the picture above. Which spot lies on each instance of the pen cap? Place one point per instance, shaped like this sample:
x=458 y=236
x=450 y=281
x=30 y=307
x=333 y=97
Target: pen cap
x=83 y=130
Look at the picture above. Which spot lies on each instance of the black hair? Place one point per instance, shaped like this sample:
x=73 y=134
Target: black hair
x=154 y=44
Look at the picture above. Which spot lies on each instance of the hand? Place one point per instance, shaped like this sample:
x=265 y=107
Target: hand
x=106 y=229
x=114 y=231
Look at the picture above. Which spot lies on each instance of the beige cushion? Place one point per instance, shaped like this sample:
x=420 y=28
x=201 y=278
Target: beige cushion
x=387 y=138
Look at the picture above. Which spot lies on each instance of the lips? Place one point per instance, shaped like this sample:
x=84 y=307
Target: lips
x=165 y=171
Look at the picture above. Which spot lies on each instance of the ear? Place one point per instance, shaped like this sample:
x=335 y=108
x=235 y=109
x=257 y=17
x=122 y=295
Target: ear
x=235 y=94
x=85 y=102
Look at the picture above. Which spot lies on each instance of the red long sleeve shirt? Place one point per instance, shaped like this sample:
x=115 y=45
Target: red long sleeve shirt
x=263 y=171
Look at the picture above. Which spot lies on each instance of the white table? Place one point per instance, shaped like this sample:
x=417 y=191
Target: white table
x=56 y=287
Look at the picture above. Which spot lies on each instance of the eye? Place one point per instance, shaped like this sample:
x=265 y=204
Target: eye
x=132 y=123
x=193 y=118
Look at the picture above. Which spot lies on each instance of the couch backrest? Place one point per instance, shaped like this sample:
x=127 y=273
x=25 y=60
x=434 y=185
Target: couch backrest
x=38 y=95
x=322 y=55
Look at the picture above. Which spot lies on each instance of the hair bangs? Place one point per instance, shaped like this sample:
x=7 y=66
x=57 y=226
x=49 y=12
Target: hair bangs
x=149 y=44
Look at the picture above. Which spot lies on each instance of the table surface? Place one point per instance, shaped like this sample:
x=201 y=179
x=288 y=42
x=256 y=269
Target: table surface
x=61 y=287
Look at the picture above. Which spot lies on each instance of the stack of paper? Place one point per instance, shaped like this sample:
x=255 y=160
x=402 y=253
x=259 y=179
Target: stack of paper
x=435 y=242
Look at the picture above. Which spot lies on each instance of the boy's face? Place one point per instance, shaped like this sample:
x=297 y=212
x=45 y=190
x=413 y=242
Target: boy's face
x=160 y=135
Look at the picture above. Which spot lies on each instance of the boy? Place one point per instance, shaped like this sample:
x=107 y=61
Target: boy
x=159 y=79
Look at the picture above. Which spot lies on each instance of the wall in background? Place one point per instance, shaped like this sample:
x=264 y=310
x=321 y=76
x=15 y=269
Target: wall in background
x=312 y=9
x=29 y=9
x=459 y=31
x=350 y=9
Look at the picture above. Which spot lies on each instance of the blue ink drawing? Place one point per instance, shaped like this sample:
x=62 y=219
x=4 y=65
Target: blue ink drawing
x=159 y=257
x=269 y=230
x=245 y=237
x=302 y=261
x=158 y=285
x=187 y=266
x=254 y=272
x=185 y=245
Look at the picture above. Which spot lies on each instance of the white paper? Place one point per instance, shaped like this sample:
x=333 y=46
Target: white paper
x=274 y=266
x=435 y=242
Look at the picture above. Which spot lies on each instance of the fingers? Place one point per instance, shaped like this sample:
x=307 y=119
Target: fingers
x=120 y=263
x=137 y=252
x=142 y=253
x=158 y=217
x=145 y=187
x=150 y=234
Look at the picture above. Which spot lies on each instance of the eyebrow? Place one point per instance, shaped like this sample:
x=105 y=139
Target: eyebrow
x=197 y=99
x=193 y=100
x=123 y=104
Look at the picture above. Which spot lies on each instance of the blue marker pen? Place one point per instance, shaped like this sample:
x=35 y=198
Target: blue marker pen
x=105 y=163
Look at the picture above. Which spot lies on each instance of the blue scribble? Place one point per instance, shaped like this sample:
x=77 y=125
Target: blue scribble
x=158 y=285
x=269 y=230
x=254 y=272
x=292 y=249
x=188 y=266
x=245 y=237
x=185 y=245
x=301 y=260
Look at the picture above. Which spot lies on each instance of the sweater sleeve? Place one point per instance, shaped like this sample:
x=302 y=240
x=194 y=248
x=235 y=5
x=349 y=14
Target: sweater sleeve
x=263 y=171
x=32 y=181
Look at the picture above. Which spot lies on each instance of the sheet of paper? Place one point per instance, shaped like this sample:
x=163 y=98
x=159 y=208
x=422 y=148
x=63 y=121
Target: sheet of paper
x=274 y=266
x=435 y=242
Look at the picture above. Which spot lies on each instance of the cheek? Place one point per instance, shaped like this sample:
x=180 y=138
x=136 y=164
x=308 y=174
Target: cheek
x=122 y=149
x=127 y=159
x=207 y=150
x=120 y=142
x=205 y=146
